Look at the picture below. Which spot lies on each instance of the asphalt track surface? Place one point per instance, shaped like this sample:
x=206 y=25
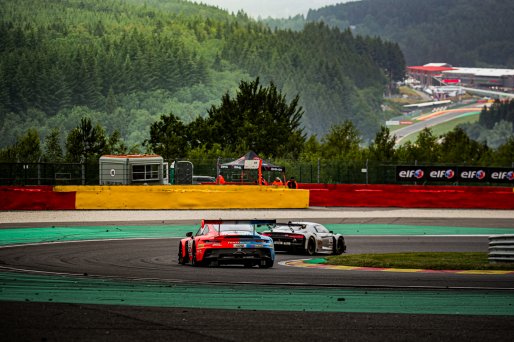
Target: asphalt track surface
x=156 y=259
x=445 y=116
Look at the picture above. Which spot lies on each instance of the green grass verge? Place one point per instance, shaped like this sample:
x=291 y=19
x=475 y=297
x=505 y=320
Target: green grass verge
x=425 y=260
x=410 y=92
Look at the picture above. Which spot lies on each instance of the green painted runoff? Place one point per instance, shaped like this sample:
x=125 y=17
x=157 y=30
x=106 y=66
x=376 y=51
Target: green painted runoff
x=87 y=290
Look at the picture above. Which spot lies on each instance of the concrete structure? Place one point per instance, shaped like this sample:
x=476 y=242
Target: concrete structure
x=133 y=169
x=481 y=78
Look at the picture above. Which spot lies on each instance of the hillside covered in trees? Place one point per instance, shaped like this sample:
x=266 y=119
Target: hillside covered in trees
x=242 y=123
x=124 y=63
x=471 y=33
x=495 y=125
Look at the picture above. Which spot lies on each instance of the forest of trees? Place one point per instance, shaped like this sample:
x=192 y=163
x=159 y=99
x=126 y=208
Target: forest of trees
x=495 y=125
x=332 y=71
x=84 y=78
x=467 y=33
x=125 y=63
x=261 y=119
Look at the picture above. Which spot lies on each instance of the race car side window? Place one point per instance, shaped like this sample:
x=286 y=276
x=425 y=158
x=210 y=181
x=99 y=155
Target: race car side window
x=203 y=231
x=321 y=229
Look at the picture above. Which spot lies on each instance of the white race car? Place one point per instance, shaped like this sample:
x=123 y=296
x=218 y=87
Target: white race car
x=305 y=237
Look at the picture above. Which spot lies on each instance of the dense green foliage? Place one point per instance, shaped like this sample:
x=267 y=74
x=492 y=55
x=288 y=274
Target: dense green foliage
x=471 y=33
x=125 y=63
x=454 y=147
x=258 y=118
x=173 y=139
x=495 y=125
x=79 y=79
x=499 y=111
x=338 y=76
x=120 y=62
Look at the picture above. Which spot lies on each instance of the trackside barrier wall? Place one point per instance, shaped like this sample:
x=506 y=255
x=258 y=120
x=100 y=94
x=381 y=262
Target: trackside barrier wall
x=409 y=196
x=35 y=198
x=185 y=197
x=501 y=248
x=247 y=197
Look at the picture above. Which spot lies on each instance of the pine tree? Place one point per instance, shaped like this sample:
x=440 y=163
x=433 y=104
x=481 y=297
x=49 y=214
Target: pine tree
x=169 y=137
x=85 y=142
x=53 y=151
x=383 y=147
x=29 y=147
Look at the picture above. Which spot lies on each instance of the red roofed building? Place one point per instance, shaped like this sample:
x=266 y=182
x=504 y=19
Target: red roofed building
x=425 y=74
x=436 y=74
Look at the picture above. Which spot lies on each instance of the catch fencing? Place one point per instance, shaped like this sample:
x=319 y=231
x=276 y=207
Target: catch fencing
x=320 y=172
x=49 y=174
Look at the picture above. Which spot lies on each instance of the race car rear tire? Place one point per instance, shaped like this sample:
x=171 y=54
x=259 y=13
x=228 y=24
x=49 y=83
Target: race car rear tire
x=339 y=246
x=182 y=259
x=194 y=262
x=311 y=247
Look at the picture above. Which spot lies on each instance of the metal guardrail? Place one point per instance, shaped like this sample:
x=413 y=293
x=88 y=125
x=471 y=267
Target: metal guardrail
x=501 y=248
x=485 y=92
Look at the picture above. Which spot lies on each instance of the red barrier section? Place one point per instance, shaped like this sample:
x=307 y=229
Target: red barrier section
x=409 y=196
x=35 y=198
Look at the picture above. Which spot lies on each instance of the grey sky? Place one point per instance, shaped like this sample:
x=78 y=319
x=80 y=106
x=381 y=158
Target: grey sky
x=270 y=8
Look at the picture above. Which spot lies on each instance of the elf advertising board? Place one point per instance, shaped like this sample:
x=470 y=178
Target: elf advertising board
x=454 y=174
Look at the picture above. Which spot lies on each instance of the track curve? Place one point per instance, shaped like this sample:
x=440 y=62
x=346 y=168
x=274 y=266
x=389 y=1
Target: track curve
x=156 y=259
x=304 y=315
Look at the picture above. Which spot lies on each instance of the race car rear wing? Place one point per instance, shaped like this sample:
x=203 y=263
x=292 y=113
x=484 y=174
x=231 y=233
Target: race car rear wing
x=254 y=222
x=289 y=224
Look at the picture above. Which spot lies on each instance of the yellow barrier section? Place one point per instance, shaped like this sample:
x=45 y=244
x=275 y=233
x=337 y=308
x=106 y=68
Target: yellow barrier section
x=186 y=197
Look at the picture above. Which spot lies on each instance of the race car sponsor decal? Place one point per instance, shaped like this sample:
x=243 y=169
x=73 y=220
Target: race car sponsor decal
x=454 y=174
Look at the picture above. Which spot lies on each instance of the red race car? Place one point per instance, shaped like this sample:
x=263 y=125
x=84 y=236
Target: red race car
x=228 y=242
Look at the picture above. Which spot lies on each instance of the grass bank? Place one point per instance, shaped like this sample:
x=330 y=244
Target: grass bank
x=425 y=260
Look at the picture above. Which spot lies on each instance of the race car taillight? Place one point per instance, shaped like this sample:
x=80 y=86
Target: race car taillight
x=294 y=236
x=212 y=242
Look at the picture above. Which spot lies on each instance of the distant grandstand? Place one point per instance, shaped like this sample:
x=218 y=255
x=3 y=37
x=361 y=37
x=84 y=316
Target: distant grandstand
x=440 y=74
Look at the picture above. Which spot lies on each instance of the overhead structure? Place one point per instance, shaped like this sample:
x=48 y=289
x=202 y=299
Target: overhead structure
x=251 y=161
